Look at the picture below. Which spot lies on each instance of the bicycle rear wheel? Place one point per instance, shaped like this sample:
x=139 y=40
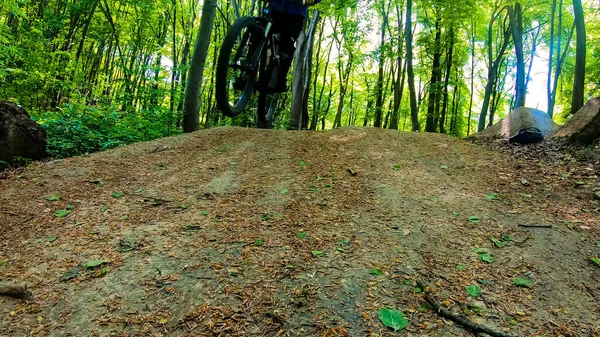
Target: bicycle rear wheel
x=267 y=100
x=237 y=66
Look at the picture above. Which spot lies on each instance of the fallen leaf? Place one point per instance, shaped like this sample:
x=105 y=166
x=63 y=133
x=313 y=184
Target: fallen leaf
x=53 y=197
x=487 y=258
x=117 y=194
x=392 y=318
x=376 y=272
x=94 y=263
x=523 y=282
x=474 y=291
x=70 y=274
x=61 y=213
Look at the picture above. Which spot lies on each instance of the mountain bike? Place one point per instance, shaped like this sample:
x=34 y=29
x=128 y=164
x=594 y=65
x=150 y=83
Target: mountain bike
x=249 y=51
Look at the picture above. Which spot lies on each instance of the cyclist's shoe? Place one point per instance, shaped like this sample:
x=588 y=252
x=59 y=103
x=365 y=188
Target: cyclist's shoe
x=280 y=87
x=239 y=84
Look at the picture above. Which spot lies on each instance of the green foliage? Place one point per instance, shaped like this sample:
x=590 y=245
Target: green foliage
x=79 y=129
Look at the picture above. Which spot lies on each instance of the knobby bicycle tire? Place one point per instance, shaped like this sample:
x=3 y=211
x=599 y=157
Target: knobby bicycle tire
x=266 y=74
x=223 y=64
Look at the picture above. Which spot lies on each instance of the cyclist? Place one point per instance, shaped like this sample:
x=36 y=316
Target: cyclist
x=288 y=20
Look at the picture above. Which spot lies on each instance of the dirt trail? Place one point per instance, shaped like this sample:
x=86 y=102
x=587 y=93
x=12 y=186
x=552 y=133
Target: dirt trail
x=243 y=232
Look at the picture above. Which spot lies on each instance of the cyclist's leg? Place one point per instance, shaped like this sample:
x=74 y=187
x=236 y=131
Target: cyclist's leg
x=290 y=27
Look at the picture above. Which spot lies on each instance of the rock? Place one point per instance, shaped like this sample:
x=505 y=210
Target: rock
x=521 y=118
x=20 y=136
x=584 y=126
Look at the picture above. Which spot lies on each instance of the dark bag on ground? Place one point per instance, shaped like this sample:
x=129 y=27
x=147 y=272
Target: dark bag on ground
x=527 y=136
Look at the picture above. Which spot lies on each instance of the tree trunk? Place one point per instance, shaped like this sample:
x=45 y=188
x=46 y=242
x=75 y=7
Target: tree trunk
x=414 y=110
x=433 y=85
x=192 y=95
x=446 y=82
x=579 y=81
x=379 y=87
x=516 y=19
x=473 y=29
x=492 y=69
x=302 y=73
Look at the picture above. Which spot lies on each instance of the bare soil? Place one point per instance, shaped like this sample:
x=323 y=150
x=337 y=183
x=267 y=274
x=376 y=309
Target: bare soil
x=244 y=232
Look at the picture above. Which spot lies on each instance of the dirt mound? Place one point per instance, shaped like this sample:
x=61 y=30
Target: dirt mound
x=520 y=118
x=242 y=232
x=584 y=126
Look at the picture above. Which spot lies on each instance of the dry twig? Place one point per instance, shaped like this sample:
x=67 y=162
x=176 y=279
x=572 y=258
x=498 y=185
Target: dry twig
x=465 y=322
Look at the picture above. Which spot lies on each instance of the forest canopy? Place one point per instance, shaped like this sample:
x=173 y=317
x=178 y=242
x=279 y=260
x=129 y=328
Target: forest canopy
x=98 y=74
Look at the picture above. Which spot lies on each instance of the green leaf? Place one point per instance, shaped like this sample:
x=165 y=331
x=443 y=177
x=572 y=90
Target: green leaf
x=79 y=223
x=460 y=268
x=183 y=206
x=117 y=194
x=473 y=219
x=53 y=197
x=266 y=217
x=498 y=243
x=392 y=318
x=52 y=238
x=487 y=258
x=103 y=208
x=492 y=197
x=598 y=245
x=258 y=242
x=284 y=191
x=61 y=213
x=376 y=272
x=481 y=251
x=341 y=250
x=396 y=167
x=455 y=213
x=526 y=195
x=204 y=213
x=316 y=253
x=444 y=167
x=94 y=263
x=301 y=235
x=474 y=291
x=596 y=260
x=139 y=190
x=2 y=262
x=523 y=282
x=70 y=207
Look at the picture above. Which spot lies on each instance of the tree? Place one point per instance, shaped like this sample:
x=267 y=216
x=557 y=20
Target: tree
x=579 y=79
x=414 y=110
x=191 y=121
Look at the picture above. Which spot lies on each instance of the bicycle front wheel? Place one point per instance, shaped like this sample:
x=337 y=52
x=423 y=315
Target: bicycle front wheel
x=237 y=66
